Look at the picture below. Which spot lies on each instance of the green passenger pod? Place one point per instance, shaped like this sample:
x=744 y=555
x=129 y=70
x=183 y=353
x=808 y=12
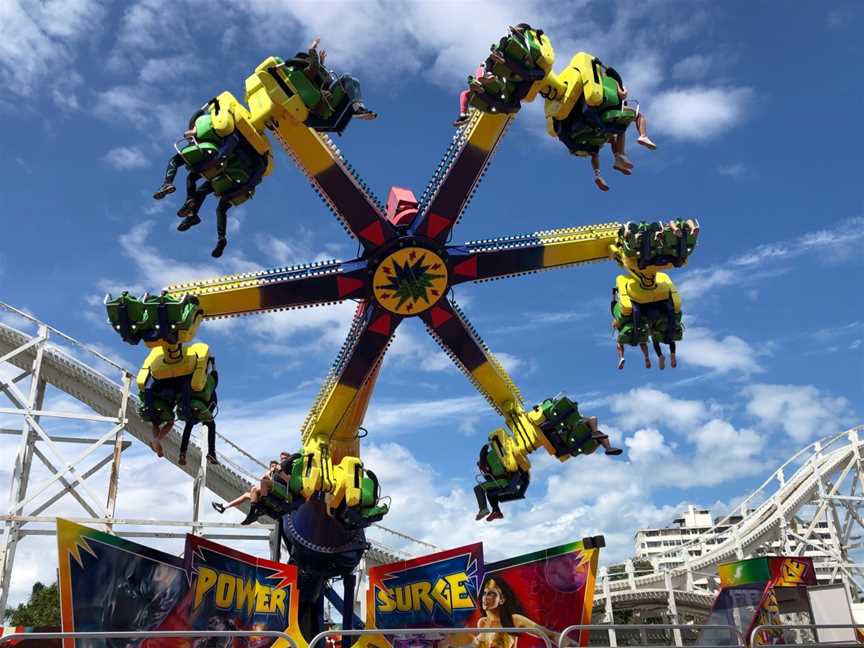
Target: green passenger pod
x=153 y=318
x=567 y=430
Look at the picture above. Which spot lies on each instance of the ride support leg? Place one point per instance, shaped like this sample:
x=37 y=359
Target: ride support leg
x=349 y=583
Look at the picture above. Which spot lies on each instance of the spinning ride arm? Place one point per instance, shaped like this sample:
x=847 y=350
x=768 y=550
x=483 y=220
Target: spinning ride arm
x=275 y=106
x=516 y=255
x=329 y=434
x=311 y=284
x=458 y=174
x=448 y=325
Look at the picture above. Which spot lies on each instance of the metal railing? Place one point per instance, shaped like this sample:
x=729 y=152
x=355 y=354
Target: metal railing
x=539 y=633
x=736 y=637
x=783 y=631
x=672 y=630
x=146 y=634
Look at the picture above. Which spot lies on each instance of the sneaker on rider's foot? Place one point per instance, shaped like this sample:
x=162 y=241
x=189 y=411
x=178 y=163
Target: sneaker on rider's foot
x=362 y=112
x=164 y=190
x=188 y=222
x=189 y=207
x=461 y=119
x=482 y=514
x=494 y=515
x=219 y=249
x=252 y=516
x=614 y=451
x=220 y=508
x=645 y=141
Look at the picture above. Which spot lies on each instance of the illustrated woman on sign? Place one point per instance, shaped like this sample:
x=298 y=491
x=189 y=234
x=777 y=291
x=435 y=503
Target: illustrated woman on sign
x=501 y=609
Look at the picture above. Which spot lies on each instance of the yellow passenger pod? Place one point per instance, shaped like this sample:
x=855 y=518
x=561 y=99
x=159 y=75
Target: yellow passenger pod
x=229 y=115
x=270 y=97
x=630 y=290
x=591 y=76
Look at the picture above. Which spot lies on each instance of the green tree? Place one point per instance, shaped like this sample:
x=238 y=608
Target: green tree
x=43 y=608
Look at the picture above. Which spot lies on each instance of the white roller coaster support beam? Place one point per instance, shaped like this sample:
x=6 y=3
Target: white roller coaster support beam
x=46 y=363
x=825 y=487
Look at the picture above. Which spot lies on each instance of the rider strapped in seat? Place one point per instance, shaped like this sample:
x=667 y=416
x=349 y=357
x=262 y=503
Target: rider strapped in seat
x=569 y=432
x=369 y=509
x=658 y=243
x=514 y=65
x=229 y=164
x=330 y=99
x=499 y=484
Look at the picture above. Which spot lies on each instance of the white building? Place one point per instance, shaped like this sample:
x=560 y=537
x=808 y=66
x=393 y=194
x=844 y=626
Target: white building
x=659 y=545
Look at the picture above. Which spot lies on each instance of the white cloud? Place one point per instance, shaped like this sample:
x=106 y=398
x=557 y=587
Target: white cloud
x=646 y=443
x=145 y=109
x=719 y=437
x=157 y=70
x=710 y=451
x=124 y=158
x=698 y=113
x=835 y=243
x=509 y=361
x=422 y=37
x=700 y=347
x=645 y=406
x=144 y=22
x=804 y=412
x=694 y=66
x=36 y=35
x=161 y=271
x=642 y=74
x=531 y=321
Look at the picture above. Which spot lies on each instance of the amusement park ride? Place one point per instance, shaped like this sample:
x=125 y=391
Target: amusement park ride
x=407 y=269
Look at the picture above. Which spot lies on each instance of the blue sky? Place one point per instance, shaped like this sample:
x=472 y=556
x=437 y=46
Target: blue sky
x=753 y=110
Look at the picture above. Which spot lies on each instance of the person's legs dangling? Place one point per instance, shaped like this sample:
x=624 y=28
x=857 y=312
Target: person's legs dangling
x=661 y=359
x=184 y=441
x=211 y=442
x=170 y=173
x=482 y=507
x=496 y=513
x=221 y=227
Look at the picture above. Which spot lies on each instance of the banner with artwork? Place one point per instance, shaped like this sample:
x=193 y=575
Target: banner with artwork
x=779 y=571
x=434 y=591
x=550 y=589
x=108 y=583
